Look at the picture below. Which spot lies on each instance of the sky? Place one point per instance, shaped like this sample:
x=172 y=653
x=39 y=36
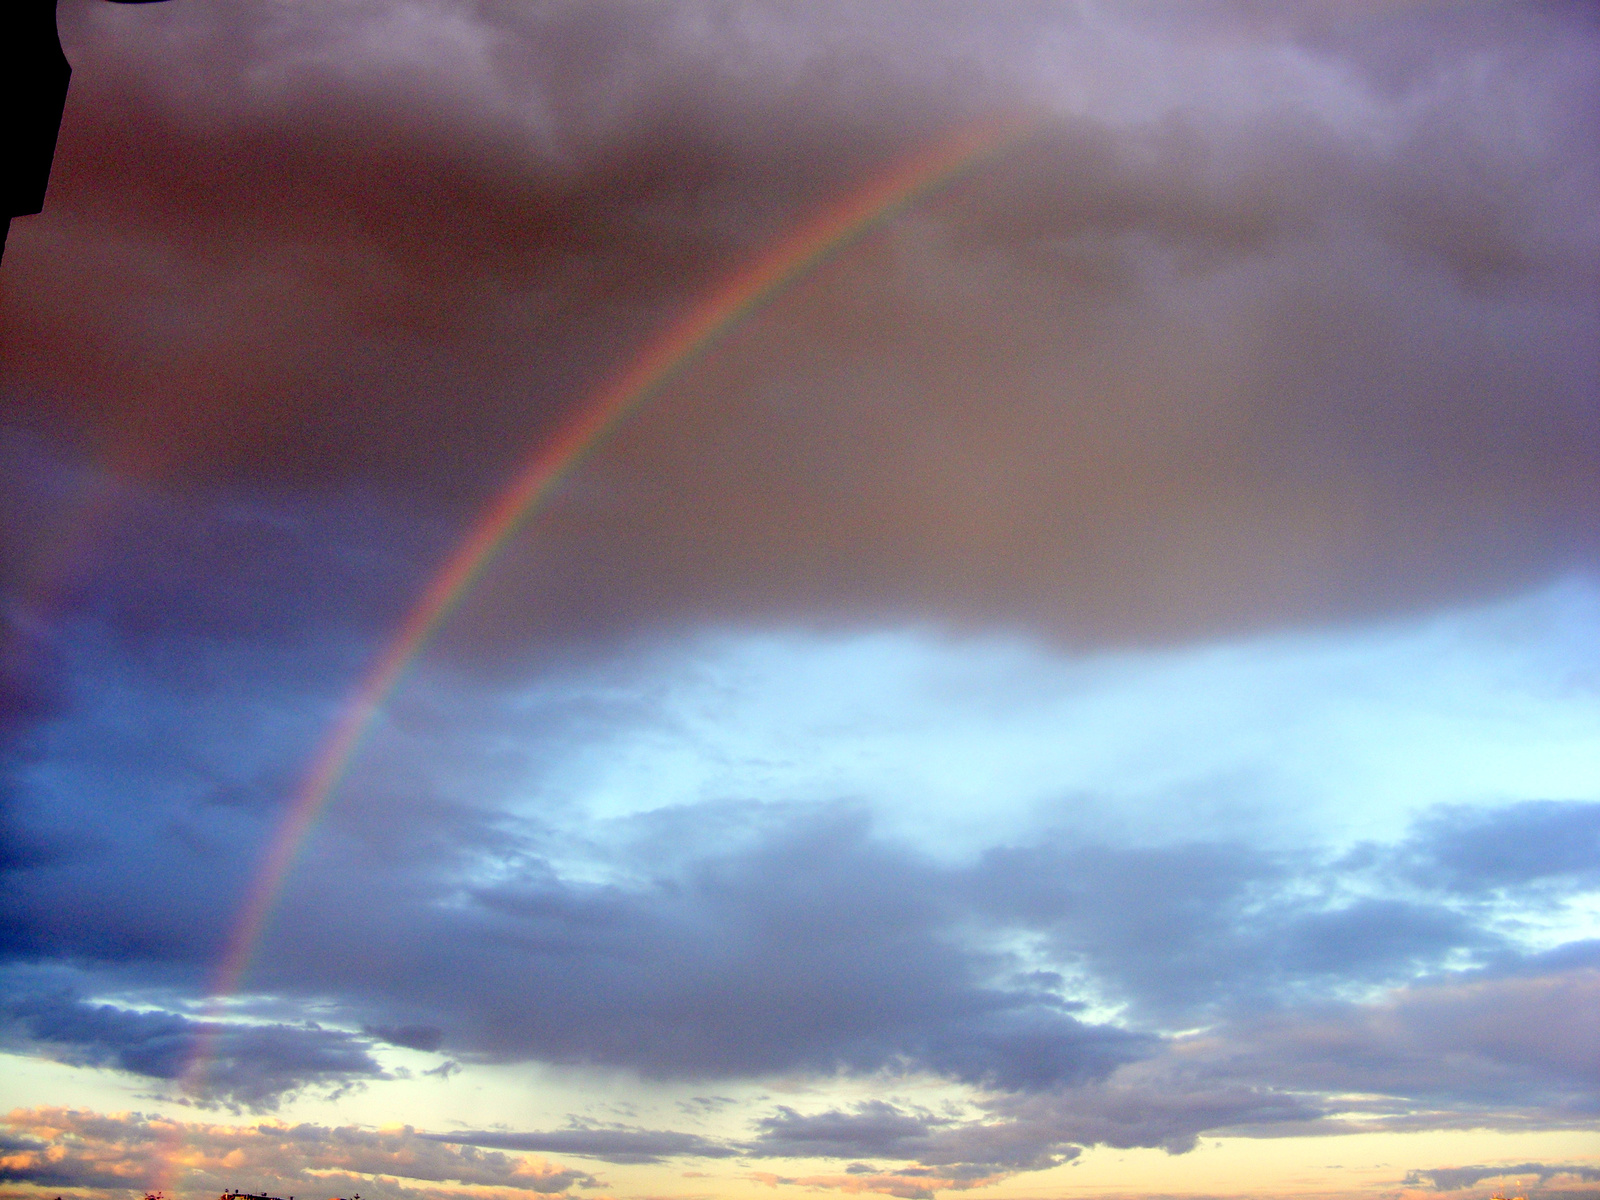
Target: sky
x=1092 y=687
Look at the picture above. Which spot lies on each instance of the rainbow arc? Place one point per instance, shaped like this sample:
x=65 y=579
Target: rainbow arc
x=684 y=341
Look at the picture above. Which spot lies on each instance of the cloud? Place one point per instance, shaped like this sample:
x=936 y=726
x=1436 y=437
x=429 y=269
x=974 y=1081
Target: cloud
x=943 y=1145
x=809 y=946
x=413 y=1037
x=1488 y=1044
x=708 y=938
x=1180 y=932
x=858 y=711
x=1194 y=359
x=727 y=940
x=1159 y=1104
x=875 y=1129
x=1452 y=1179
x=752 y=958
x=251 y=1066
x=1497 y=1054
x=56 y=1147
x=616 y=1144
x=1534 y=842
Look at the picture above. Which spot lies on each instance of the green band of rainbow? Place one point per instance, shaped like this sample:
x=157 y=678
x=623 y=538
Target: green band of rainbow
x=689 y=337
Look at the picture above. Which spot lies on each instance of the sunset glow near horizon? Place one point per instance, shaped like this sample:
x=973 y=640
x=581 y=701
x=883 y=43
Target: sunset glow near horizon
x=652 y=601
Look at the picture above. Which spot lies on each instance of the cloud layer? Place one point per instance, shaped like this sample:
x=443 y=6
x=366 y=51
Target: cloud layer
x=1115 y=648
x=68 y=1148
x=1188 y=360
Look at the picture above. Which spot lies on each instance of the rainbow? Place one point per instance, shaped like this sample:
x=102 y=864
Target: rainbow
x=680 y=344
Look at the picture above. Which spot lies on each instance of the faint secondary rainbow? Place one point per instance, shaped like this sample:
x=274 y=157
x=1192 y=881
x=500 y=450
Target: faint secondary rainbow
x=680 y=344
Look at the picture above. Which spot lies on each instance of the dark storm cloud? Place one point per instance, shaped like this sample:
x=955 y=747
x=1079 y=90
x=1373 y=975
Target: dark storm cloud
x=231 y=632
x=25 y=697
x=242 y=568
x=388 y=258
x=250 y=1066
x=613 y=1144
x=57 y=1147
x=1190 y=359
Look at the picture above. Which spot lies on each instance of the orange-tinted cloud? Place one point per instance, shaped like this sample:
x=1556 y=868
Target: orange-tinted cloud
x=59 y=1147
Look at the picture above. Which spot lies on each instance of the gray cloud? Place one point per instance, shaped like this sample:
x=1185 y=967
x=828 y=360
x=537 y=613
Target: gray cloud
x=1508 y=1053
x=616 y=1144
x=875 y=1129
x=1520 y=1043
x=1535 y=842
x=253 y=1066
x=948 y=1147
x=1451 y=1179
x=806 y=944
x=744 y=938
x=1180 y=931
x=1023 y=1035
x=412 y=1037
x=812 y=947
x=1156 y=1103
x=1162 y=1104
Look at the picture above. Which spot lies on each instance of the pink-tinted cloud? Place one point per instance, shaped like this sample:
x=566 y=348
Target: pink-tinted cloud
x=1477 y=1042
x=58 y=1147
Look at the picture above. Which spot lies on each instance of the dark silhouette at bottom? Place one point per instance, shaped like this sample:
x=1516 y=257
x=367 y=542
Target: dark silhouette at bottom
x=33 y=93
